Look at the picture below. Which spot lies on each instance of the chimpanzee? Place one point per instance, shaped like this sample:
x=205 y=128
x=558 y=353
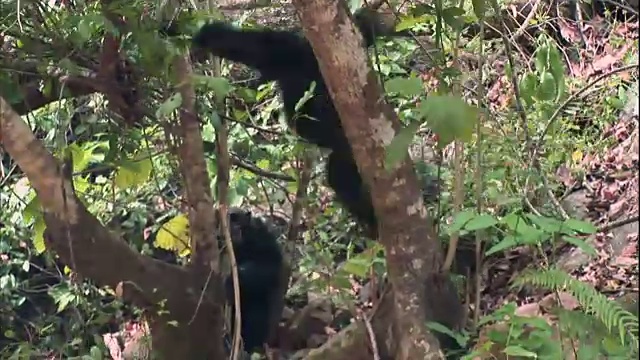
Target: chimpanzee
x=287 y=58
x=259 y=260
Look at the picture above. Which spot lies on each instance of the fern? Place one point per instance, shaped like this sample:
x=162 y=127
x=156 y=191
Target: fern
x=615 y=318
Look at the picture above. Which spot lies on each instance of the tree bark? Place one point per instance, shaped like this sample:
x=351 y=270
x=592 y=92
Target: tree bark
x=413 y=252
x=94 y=252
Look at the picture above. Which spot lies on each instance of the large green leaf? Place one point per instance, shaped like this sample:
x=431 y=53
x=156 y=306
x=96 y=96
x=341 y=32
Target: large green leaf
x=450 y=117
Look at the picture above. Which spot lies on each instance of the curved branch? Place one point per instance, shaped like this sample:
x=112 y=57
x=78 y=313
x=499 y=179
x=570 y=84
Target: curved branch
x=235 y=160
x=76 y=235
x=63 y=88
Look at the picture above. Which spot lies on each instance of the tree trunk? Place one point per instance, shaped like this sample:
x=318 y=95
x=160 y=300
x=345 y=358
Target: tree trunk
x=414 y=256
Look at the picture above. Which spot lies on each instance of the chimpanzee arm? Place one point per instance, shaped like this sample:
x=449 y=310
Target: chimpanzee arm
x=273 y=52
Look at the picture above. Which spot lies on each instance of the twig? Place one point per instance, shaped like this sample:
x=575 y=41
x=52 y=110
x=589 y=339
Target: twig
x=222 y=186
x=530 y=206
x=479 y=177
x=372 y=336
x=458 y=191
x=235 y=160
x=250 y=125
x=224 y=222
x=458 y=187
x=552 y=197
x=527 y=20
x=579 y=22
x=618 y=223
x=301 y=195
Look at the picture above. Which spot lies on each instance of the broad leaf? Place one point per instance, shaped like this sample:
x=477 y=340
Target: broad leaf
x=404 y=86
x=169 y=106
x=460 y=220
x=581 y=244
x=482 y=221
x=174 y=235
x=583 y=227
x=399 y=146
x=450 y=117
x=132 y=173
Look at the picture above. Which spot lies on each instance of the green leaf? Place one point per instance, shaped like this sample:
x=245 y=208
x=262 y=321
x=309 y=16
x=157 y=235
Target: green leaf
x=421 y=9
x=132 y=173
x=527 y=233
x=580 y=226
x=233 y=198
x=556 y=67
x=84 y=30
x=216 y=121
x=612 y=345
x=64 y=300
x=532 y=236
x=397 y=150
x=528 y=87
x=452 y=17
x=12 y=93
x=435 y=326
x=514 y=350
x=542 y=59
x=96 y=353
x=479 y=8
x=404 y=86
x=547 y=224
x=307 y=95
x=515 y=222
x=79 y=156
x=547 y=89
x=48 y=87
x=33 y=210
x=358 y=266
x=174 y=235
x=409 y=22
x=169 y=106
x=581 y=244
x=38 y=235
x=460 y=220
x=507 y=242
x=482 y=221
x=220 y=86
x=339 y=281
x=113 y=152
x=450 y=117
x=242 y=185
x=354 y=5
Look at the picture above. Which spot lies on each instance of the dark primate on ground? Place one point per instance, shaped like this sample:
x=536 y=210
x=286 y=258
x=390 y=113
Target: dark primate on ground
x=260 y=262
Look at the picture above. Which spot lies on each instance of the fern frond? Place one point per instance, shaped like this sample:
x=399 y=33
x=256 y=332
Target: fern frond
x=615 y=318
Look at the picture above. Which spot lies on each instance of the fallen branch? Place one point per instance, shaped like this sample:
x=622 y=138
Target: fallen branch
x=619 y=223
